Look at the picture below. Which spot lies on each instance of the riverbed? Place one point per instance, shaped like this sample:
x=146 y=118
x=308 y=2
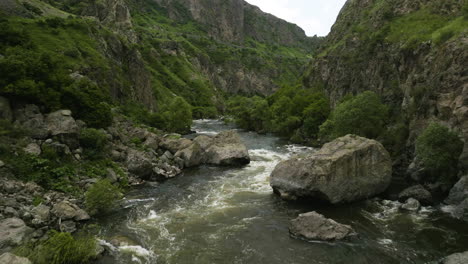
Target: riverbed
x=230 y=215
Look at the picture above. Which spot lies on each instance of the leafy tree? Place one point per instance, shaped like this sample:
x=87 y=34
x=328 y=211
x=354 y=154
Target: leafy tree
x=439 y=149
x=362 y=115
x=179 y=116
x=94 y=142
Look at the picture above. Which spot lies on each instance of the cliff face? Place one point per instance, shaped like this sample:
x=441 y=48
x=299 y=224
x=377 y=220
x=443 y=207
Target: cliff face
x=236 y=20
x=413 y=53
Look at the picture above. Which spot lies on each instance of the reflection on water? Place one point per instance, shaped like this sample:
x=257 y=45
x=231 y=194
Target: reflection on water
x=229 y=215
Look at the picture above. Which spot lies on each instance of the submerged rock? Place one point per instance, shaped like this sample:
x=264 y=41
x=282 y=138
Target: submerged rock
x=411 y=205
x=8 y=258
x=457 y=258
x=314 y=226
x=348 y=169
x=417 y=192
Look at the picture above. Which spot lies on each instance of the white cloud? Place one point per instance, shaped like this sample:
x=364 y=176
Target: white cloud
x=315 y=16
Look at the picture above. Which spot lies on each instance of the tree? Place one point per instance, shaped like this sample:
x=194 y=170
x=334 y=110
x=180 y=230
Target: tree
x=363 y=115
x=179 y=114
x=439 y=149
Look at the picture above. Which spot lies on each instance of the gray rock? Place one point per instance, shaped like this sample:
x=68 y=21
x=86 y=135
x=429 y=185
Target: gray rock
x=459 y=192
x=13 y=231
x=8 y=258
x=139 y=163
x=152 y=141
x=411 y=204
x=10 y=212
x=31 y=118
x=417 y=192
x=314 y=226
x=226 y=149
x=61 y=122
x=33 y=149
x=2 y=164
x=174 y=144
x=41 y=214
x=66 y=210
x=191 y=156
x=348 y=169
x=457 y=258
x=5 y=109
x=67 y=226
x=112 y=176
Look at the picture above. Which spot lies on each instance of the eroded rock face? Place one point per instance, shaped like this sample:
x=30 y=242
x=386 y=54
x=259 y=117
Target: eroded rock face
x=314 y=226
x=348 y=169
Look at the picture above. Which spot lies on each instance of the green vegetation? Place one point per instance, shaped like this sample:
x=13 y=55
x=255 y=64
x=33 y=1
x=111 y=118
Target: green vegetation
x=292 y=112
x=363 y=115
x=61 y=248
x=102 y=197
x=439 y=149
x=94 y=142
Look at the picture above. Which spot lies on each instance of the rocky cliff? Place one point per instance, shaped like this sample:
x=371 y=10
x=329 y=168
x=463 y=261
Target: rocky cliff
x=412 y=53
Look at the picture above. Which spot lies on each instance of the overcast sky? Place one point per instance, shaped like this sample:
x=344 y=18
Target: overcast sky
x=314 y=16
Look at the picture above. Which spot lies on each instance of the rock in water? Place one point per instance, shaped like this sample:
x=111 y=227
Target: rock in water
x=227 y=149
x=314 y=226
x=9 y=258
x=457 y=258
x=348 y=169
x=458 y=199
x=411 y=205
x=417 y=192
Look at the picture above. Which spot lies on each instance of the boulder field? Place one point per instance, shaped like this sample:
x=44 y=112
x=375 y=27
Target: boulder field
x=347 y=169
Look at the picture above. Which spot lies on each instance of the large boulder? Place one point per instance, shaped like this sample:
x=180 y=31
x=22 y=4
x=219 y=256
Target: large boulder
x=314 y=226
x=227 y=149
x=8 y=258
x=417 y=192
x=348 y=169
x=13 y=231
x=192 y=156
x=458 y=199
x=5 y=109
x=457 y=258
x=66 y=210
x=174 y=144
x=139 y=163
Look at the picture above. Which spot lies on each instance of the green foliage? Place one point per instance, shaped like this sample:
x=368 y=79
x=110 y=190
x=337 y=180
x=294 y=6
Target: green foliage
x=439 y=149
x=10 y=130
x=102 y=197
x=362 y=115
x=62 y=248
x=51 y=174
x=292 y=112
x=179 y=116
x=94 y=142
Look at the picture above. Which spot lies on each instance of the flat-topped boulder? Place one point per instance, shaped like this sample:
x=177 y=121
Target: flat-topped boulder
x=314 y=226
x=224 y=149
x=348 y=169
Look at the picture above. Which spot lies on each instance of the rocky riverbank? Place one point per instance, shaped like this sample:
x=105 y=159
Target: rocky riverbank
x=54 y=198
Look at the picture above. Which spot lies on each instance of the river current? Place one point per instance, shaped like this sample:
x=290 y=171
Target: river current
x=212 y=215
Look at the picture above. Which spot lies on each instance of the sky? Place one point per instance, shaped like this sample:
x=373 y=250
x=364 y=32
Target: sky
x=314 y=16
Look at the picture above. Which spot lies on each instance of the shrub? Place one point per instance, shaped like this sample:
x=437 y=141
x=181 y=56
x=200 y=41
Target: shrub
x=102 y=197
x=362 y=115
x=179 y=116
x=63 y=248
x=94 y=142
x=439 y=149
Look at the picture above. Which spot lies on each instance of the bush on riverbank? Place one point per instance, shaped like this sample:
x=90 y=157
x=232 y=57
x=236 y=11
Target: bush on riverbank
x=61 y=248
x=439 y=149
x=102 y=197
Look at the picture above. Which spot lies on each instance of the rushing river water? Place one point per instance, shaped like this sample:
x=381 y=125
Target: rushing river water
x=230 y=215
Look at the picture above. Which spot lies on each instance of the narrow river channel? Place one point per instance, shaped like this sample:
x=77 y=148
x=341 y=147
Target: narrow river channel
x=230 y=215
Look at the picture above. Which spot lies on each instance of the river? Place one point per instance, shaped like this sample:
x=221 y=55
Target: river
x=230 y=215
